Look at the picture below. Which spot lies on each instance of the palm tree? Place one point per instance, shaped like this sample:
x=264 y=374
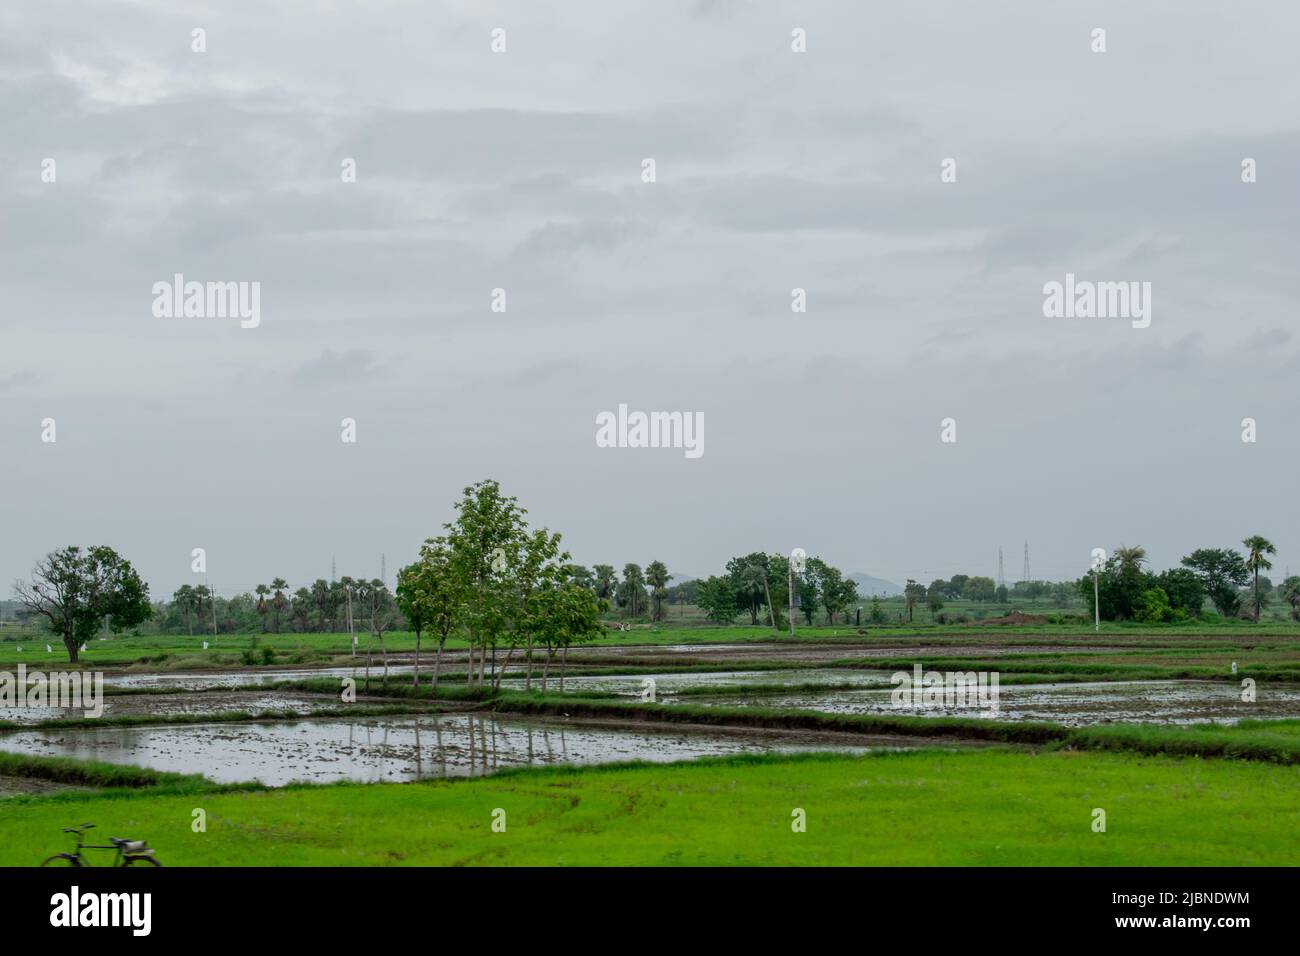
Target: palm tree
x=1131 y=558
x=280 y=585
x=184 y=599
x=633 y=582
x=203 y=593
x=656 y=573
x=262 y=592
x=1256 y=549
x=1291 y=594
x=320 y=593
x=606 y=582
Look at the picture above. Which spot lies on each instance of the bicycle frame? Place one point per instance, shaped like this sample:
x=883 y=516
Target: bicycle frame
x=122 y=859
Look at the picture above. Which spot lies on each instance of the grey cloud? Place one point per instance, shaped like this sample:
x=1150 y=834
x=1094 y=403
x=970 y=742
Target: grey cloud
x=332 y=368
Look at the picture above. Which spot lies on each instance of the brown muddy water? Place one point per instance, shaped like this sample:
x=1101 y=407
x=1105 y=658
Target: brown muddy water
x=1176 y=702
x=404 y=748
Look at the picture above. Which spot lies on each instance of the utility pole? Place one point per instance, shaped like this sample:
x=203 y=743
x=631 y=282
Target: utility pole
x=352 y=638
x=1098 y=557
x=790 y=567
x=212 y=600
x=1096 y=602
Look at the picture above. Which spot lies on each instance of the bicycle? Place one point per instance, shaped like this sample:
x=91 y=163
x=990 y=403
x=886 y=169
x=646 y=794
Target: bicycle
x=129 y=852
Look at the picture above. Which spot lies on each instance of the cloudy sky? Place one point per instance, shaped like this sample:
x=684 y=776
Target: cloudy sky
x=522 y=170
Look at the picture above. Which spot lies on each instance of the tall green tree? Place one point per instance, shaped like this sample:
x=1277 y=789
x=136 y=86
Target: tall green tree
x=383 y=617
x=184 y=600
x=913 y=594
x=631 y=593
x=563 y=614
x=301 y=608
x=320 y=599
x=278 y=601
x=934 y=598
x=77 y=591
x=656 y=574
x=717 y=600
x=538 y=565
x=262 y=607
x=606 y=583
x=1291 y=594
x=484 y=539
x=430 y=595
x=748 y=574
x=1257 y=550
x=1223 y=573
x=832 y=588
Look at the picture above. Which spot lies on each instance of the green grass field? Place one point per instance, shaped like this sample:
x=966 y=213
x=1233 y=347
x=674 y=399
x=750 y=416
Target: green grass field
x=987 y=807
x=1175 y=795
x=1274 y=641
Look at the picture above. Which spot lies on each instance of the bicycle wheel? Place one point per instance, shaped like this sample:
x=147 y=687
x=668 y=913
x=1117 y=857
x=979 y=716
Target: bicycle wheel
x=144 y=860
x=63 y=859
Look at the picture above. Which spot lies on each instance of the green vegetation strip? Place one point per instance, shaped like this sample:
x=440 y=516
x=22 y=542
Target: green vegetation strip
x=93 y=773
x=985 y=807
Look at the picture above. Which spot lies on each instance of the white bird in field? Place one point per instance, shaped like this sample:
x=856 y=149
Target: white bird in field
x=48 y=649
x=1234 y=667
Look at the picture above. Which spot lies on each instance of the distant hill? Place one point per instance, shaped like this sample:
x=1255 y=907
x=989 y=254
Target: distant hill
x=869 y=586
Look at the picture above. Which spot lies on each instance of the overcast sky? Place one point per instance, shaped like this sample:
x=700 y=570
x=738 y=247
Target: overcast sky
x=522 y=170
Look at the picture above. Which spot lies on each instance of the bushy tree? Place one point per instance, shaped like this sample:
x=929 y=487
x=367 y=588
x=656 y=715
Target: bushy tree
x=913 y=594
x=77 y=591
x=1183 y=588
x=563 y=614
x=717 y=600
x=1223 y=573
x=1156 y=608
x=934 y=598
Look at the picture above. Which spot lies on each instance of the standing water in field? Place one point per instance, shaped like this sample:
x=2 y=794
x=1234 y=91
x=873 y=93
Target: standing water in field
x=405 y=747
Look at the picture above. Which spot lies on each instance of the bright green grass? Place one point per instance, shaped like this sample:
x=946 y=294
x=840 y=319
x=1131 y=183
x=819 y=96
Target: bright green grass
x=989 y=807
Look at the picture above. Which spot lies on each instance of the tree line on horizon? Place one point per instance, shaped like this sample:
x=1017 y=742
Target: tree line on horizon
x=531 y=593
x=1123 y=588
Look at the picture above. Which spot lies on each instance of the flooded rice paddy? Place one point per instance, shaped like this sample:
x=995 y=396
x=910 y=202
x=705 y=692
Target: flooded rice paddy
x=183 y=703
x=404 y=748
x=1071 y=704
x=407 y=747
